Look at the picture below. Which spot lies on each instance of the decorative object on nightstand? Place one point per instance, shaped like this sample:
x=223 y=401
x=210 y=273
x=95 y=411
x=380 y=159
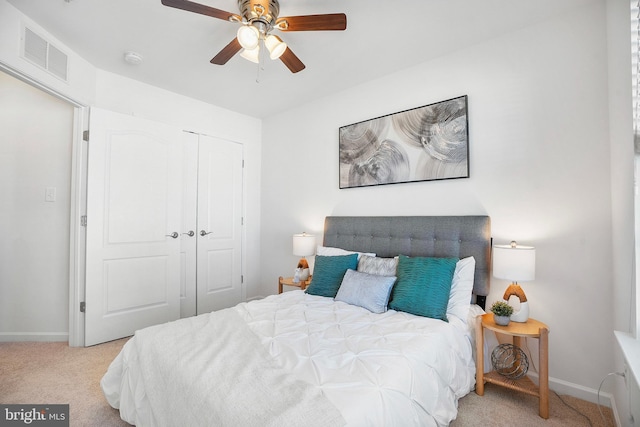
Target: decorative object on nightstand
x=303 y=245
x=509 y=361
x=501 y=312
x=518 y=264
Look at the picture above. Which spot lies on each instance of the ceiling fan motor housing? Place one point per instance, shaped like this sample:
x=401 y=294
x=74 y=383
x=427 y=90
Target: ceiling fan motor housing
x=260 y=11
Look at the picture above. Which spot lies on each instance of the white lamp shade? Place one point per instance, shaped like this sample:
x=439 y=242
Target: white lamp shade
x=276 y=46
x=252 y=55
x=304 y=244
x=514 y=262
x=248 y=36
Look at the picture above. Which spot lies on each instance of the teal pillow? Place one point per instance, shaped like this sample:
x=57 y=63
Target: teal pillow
x=328 y=273
x=423 y=286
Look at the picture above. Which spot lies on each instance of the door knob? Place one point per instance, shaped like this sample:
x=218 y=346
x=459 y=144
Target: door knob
x=190 y=233
x=173 y=235
x=204 y=233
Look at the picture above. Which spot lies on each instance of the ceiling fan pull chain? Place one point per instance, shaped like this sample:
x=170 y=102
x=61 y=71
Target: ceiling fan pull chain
x=260 y=57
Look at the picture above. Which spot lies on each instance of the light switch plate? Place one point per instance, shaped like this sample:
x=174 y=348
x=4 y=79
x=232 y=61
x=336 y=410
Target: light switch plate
x=50 y=194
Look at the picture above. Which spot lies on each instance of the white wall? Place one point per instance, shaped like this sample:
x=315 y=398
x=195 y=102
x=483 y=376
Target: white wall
x=539 y=165
x=34 y=249
x=90 y=86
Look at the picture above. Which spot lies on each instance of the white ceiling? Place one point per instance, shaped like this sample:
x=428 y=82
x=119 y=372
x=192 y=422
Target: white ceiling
x=381 y=37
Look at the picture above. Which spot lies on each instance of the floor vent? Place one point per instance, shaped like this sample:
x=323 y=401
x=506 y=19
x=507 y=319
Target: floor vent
x=43 y=54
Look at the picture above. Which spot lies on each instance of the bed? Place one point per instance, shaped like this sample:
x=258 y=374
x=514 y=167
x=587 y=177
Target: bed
x=303 y=358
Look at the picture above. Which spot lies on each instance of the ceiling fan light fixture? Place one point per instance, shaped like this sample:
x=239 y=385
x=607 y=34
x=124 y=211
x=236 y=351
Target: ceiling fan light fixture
x=252 y=55
x=275 y=46
x=248 y=36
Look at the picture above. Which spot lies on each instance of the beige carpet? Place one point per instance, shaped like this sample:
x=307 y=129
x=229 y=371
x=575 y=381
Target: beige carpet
x=48 y=373
x=500 y=407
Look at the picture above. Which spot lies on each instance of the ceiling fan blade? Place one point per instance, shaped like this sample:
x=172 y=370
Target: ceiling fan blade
x=201 y=9
x=328 y=22
x=227 y=52
x=292 y=62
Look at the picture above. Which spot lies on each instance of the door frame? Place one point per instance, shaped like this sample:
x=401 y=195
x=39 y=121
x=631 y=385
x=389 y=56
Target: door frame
x=77 y=204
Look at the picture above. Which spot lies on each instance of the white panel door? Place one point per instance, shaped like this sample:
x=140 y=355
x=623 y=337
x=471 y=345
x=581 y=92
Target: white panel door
x=219 y=254
x=133 y=207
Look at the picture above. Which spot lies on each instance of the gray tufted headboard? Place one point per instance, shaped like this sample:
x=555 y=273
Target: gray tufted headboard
x=437 y=236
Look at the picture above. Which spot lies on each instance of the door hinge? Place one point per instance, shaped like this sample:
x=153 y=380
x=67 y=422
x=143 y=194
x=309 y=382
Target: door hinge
x=241 y=278
x=85 y=135
x=83 y=221
x=242 y=163
x=83 y=307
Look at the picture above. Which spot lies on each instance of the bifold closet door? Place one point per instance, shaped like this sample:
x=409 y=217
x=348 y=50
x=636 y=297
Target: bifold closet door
x=211 y=232
x=219 y=220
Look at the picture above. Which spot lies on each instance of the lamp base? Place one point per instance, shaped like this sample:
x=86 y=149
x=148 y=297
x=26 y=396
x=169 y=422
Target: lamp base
x=521 y=315
x=303 y=263
x=302 y=272
x=514 y=290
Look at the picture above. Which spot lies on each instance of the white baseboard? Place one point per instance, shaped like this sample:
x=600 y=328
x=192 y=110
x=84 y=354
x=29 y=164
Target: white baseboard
x=581 y=392
x=34 y=336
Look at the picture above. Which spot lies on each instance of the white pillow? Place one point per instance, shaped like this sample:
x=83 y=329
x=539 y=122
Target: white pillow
x=366 y=290
x=461 y=289
x=329 y=251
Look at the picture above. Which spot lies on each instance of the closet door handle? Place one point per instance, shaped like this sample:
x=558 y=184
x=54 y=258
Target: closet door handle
x=190 y=233
x=172 y=235
x=204 y=233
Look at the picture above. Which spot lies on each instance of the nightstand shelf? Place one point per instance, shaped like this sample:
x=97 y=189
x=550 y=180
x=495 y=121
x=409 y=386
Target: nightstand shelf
x=531 y=328
x=524 y=384
x=288 y=281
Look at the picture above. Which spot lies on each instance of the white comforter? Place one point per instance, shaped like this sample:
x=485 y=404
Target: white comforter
x=391 y=369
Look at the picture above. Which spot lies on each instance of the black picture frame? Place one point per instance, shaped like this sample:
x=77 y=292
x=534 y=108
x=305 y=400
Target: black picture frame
x=425 y=143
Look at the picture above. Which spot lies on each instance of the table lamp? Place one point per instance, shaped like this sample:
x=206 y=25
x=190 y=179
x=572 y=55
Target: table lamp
x=518 y=264
x=304 y=245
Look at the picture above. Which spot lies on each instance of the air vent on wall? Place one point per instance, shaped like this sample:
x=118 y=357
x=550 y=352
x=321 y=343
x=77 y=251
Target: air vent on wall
x=44 y=54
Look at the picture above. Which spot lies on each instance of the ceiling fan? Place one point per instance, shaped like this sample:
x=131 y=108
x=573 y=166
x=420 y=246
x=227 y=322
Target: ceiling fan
x=258 y=18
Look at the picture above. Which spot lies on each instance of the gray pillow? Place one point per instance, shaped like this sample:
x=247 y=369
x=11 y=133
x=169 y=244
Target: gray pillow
x=369 y=291
x=378 y=266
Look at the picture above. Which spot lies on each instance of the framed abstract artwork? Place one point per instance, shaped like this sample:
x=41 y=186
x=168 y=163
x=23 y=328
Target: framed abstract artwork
x=421 y=144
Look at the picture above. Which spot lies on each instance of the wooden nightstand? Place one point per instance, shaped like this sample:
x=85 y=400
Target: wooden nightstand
x=531 y=328
x=289 y=282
